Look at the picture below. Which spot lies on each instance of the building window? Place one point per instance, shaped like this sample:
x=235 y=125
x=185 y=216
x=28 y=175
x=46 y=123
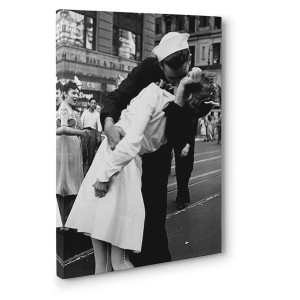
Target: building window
x=170 y=23
x=191 y=24
x=203 y=53
x=204 y=21
x=126 y=44
x=127 y=35
x=216 y=53
x=179 y=23
x=76 y=28
x=218 y=23
x=158 y=26
x=192 y=50
x=168 y=26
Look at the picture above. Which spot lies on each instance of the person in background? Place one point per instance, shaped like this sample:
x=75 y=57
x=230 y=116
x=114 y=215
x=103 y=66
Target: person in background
x=215 y=133
x=184 y=144
x=69 y=171
x=198 y=131
x=59 y=92
x=214 y=125
x=219 y=128
x=203 y=125
x=59 y=88
x=90 y=120
x=98 y=108
x=209 y=129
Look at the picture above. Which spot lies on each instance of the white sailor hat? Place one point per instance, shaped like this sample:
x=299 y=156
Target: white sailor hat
x=171 y=43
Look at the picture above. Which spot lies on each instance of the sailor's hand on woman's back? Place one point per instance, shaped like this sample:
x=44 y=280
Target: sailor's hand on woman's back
x=114 y=133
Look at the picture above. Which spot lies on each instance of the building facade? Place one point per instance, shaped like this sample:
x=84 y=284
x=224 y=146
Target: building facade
x=98 y=46
x=204 y=42
x=205 y=38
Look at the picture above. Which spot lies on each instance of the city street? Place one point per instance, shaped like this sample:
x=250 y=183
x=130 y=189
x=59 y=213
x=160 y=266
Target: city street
x=196 y=230
x=192 y=232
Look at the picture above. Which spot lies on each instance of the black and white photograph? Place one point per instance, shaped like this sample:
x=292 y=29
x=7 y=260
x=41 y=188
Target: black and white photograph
x=138 y=139
x=175 y=152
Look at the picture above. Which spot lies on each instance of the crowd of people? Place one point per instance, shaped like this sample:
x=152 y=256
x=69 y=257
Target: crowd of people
x=209 y=128
x=120 y=199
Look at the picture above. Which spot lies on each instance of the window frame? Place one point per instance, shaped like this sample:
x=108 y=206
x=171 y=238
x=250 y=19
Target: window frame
x=138 y=43
x=86 y=14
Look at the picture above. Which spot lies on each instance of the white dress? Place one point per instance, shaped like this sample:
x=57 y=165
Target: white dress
x=69 y=171
x=118 y=218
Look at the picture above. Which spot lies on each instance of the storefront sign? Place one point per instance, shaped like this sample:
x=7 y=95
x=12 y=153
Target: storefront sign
x=67 y=53
x=90 y=86
x=86 y=96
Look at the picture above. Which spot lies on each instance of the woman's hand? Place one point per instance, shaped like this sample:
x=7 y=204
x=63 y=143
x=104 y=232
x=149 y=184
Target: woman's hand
x=101 y=188
x=72 y=131
x=85 y=132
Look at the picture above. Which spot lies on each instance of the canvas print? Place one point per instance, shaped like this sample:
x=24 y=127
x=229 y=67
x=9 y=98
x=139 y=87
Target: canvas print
x=138 y=139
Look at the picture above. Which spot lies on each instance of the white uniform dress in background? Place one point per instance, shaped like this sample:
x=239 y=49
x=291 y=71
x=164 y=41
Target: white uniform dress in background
x=118 y=218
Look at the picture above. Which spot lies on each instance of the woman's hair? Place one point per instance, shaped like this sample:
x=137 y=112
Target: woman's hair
x=70 y=85
x=177 y=59
x=59 y=86
x=201 y=92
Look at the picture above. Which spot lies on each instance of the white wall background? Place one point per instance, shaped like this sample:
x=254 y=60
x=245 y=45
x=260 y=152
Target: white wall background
x=261 y=166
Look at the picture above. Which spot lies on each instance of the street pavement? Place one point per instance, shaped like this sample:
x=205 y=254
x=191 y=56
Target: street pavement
x=196 y=230
x=192 y=232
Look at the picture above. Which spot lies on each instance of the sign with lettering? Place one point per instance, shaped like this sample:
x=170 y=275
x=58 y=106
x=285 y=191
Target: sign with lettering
x=67 y=53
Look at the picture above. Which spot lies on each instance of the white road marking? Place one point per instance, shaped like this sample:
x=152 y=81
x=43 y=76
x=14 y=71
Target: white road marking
x=207 y=152
x=89 y=252
x=195 y=177
x=203 y=160
x=75 y=258
x=200 y=202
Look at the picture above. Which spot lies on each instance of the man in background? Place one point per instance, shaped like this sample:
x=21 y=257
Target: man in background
x=90 y=120
x=98 y=108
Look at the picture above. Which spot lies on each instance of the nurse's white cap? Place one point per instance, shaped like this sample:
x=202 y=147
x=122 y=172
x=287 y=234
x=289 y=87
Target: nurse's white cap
x=171 y=43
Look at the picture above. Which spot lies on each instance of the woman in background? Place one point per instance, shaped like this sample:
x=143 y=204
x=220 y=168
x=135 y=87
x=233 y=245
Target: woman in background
x=69 y=169
x=203 y=125
x=209 y=129
x=59 y=88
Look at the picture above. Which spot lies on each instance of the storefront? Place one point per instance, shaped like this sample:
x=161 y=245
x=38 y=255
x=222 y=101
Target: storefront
x=77 y=55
